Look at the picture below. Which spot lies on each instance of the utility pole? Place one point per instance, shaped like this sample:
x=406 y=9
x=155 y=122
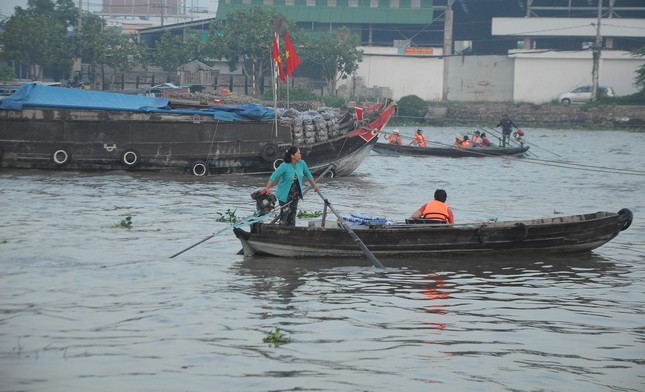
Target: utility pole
x=447 y=45
x=596 y=56
x=78 y=67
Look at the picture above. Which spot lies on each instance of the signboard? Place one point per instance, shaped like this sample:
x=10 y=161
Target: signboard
x=418 y=51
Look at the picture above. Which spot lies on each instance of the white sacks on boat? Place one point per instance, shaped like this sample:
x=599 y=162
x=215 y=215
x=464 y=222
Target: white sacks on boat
x=311 y=126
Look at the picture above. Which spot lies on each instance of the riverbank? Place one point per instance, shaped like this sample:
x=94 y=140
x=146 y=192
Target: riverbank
x=473 y=114
x=542 y=116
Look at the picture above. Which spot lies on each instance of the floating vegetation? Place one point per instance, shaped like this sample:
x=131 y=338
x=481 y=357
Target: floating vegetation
x=126 y=223
x=228 y=217
x=276 y=337
x=557 y=212
x=309 y=214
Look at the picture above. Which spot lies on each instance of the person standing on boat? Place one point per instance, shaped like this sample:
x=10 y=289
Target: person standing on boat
x=507 y=127
x=289 y=176
x=395 y=138
x=436 y=209
x=419 y=139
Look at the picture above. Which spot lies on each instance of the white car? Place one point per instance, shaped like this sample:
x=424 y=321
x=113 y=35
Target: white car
x=583 y=94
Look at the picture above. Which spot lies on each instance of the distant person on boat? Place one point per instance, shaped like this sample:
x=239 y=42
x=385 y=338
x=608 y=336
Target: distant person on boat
x=458 y=140
x=466 y=143
x=484 y=140
x=289 y=175
x=507 y=127
x=395 y=138
x=419 y=139
x=436 y=209
x=477 y=139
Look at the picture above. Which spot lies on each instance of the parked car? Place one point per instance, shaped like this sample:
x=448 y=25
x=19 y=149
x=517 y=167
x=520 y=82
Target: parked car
x=583 y=94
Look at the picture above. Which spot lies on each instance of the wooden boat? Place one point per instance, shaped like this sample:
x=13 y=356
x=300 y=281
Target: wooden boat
x=58 y=128
x=448 y=151
x=561 y=234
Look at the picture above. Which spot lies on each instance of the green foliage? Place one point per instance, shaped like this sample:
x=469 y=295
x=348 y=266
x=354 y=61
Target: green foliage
x=36 y=40
x=228 y=217
x=309 y=214
x=276 y=337
x=639 y=80
x=120 y=52
x=174 y=51
x=7 y=73
x=334 y=102
x=333 y=57
x=295 y=94
x=303 y=94
x=633 y=99
x=412 y=106
x=126 y=223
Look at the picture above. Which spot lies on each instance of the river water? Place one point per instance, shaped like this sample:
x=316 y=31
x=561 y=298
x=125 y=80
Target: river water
x=90 y=306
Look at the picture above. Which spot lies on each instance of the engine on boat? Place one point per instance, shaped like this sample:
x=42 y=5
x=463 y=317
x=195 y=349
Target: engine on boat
x=264 y=201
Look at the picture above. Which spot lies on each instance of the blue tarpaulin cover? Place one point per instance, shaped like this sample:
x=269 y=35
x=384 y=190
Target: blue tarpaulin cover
x=36 y=95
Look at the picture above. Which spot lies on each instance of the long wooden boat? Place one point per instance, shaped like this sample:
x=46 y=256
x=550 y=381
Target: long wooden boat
x=560 y=234
x=451 y=152
x=58 y=128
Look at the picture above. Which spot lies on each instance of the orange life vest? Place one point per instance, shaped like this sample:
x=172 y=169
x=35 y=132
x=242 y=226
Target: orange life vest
x=437 y=210
x=420 y=140
x=395 y=139
x=465 y=144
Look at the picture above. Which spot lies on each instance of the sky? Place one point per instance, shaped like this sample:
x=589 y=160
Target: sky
x=7 y=6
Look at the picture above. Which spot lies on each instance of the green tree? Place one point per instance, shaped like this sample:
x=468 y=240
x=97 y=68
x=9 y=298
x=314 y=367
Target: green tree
x=247 y=41
x=333 y=56
x=36 y=41
x=639 y=80
x=37 y=37
x=174 y=50
x=412 y=106
x=7 y=74
x=120 y=52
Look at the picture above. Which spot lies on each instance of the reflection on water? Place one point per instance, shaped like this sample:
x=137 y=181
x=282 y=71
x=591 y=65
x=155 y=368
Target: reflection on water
x=86 y=305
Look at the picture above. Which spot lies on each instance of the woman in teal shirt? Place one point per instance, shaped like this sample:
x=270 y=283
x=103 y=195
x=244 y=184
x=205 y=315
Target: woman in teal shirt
x=290 y=174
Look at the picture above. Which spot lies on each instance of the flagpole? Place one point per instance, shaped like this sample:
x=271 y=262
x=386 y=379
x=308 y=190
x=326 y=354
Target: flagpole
x=275 y=64
x=288 y=104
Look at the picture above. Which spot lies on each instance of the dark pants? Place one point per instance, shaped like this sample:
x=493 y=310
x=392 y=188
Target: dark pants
x=506 y=138
x=290 y=211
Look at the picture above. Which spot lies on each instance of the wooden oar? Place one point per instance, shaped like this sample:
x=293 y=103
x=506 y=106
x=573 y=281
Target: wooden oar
x=247 y=221
x=357 y=240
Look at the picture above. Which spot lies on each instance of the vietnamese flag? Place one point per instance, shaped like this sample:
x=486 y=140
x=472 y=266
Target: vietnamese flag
x=277 y=58
x=292 y=57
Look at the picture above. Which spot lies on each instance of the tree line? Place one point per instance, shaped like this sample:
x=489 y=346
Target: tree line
x=48 y=36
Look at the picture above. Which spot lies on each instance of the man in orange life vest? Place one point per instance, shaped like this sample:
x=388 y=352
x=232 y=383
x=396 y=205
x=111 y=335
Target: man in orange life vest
x=436 y=209
x=395 y=138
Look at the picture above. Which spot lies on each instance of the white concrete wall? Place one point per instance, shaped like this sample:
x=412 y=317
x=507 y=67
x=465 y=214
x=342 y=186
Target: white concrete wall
x=540 y=76
x=479 y=78
x=534 y=76
x=405 y=75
